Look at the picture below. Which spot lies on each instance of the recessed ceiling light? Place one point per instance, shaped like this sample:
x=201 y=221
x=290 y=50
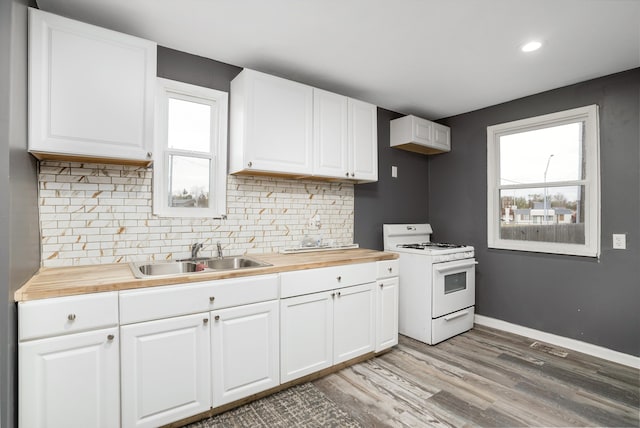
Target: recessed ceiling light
x=531 y=46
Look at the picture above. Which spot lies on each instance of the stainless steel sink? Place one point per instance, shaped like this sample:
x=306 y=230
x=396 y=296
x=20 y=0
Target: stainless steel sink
x=188 y=266
x=233 y=263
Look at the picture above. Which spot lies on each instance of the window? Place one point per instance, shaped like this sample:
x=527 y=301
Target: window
x=543 y=183
x=190 y=171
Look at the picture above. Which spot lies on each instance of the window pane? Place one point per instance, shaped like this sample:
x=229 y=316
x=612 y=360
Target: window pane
x=188 y=182
x=524 y=215
x=543 y=155
x=189 y=125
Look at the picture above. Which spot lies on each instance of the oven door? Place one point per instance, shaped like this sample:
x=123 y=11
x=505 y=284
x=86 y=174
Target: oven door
x=454 y=286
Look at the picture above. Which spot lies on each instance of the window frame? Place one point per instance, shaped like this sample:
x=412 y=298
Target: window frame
x=219 y=102
x=591 y=181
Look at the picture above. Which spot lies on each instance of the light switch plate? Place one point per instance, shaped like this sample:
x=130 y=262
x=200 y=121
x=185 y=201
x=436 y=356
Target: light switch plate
x=394 y=171
x=619 y=241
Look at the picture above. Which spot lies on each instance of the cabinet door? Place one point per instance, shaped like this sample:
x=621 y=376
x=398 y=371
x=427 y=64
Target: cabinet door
x=363 y=141
x=70 y=381
x=306 y=335
x=330 y=136
x=442 y=137
x=386 y=313
x=166 y=371
x=276 y=124
x=244 y=351
x=91 y=90
x=354 y=322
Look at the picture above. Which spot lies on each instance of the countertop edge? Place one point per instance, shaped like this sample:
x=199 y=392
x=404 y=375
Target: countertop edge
x=55 y=282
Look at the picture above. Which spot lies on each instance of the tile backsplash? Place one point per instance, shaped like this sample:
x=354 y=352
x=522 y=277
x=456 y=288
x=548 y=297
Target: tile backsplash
x=99 y=213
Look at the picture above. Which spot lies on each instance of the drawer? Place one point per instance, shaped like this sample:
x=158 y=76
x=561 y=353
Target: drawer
x=449 y=325
x=175 y=300
x=299 y=282
x=387 y=268
x=64 y=315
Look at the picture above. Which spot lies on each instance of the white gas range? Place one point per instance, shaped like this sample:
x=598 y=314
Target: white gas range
x=437 y=283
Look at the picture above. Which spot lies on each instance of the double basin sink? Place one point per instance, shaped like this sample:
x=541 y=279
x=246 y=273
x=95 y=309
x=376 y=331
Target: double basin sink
x=188 y=266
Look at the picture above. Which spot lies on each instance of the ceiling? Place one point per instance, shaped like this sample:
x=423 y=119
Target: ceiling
x=432 y=58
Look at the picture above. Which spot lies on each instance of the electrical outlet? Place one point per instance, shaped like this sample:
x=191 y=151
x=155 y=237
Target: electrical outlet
x=620 y=241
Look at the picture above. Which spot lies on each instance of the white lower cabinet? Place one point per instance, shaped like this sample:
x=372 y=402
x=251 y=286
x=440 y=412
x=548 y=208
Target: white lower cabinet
x=322 y=329
x=244 y=351
x=306 y=335
x=152 y=356
x=70 y=381
x=166 y=372
x=386 y=313
x=353 y=322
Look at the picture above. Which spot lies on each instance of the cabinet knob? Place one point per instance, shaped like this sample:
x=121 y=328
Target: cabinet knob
x=347 y=174
x=353 y=174
x=149 y=155
x=381 y=285
x=217 y=318
x=338 y=294
x=211 y=299
x=333 y=295
x=390 y=270
x=205 y=320
x=110 y=337
x=339 y=278
x=71 y=317
x=250 y=164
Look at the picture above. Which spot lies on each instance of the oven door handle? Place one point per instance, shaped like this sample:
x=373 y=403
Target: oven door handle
x=456 y=315
x=458 y=264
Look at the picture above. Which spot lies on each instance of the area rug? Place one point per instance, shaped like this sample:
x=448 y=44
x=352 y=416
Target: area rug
x=299 y=406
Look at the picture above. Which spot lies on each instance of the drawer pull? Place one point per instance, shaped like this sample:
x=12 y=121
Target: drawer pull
x=211 y=299
x=333 y=295
x=250 y=164
x=217 y=318
x=390 y=270
x=381 y=285
x=71 y=317
x=338 y=294
x=110 y=337
x=454 y=316
x=205 y=320
x=339 y=278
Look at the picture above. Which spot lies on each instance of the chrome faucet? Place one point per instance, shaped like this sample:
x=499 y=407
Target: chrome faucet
x=195 y=248
x=219 y=247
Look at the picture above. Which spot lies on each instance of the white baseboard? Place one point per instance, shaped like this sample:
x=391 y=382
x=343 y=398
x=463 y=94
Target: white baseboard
x=564 y=342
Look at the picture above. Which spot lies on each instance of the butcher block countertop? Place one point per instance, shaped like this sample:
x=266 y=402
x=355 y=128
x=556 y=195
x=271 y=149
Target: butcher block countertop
x=69 y=281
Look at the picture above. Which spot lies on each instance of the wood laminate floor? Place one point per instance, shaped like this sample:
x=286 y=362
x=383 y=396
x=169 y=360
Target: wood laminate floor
x=489 y=378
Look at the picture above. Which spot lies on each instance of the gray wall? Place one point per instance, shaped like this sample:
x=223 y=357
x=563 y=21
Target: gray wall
x=591 y=300
x=184 y=67
x=390 y=200
x=19 y=240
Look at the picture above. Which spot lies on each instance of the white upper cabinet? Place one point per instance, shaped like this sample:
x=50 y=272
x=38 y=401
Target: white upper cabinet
x=345 y=137
x=330 y=134
x=363 y=141
x=420 y=135
x=271 y=125
x=285 y=128
x=91 y=92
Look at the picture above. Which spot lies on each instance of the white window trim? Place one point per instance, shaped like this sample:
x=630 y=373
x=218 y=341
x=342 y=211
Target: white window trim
x=591 y=247
x=219 y=101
